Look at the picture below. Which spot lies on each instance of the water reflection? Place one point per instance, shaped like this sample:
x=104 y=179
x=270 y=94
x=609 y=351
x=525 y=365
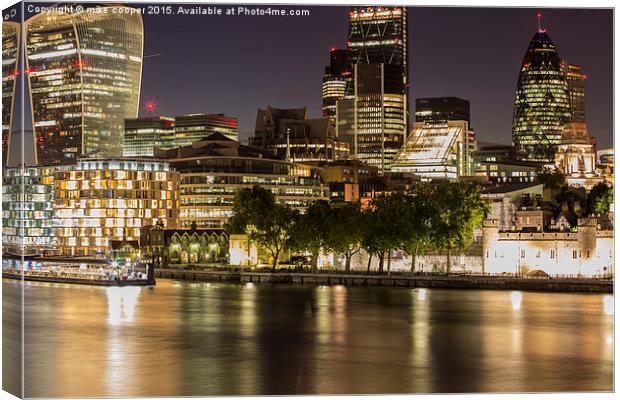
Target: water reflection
x=226 y=339
x=122 y=304
x=608 y=304
x=515 y=298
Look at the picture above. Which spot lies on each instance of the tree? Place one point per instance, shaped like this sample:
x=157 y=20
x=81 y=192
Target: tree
x=419 y=216
x=457 y=210
x=256 y=213
x=600 y=199
x=388 y=226
x=346 y=231
x=551 y=178
x=311 y=229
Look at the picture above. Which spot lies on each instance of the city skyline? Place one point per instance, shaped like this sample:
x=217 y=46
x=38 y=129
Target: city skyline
x=432 y=73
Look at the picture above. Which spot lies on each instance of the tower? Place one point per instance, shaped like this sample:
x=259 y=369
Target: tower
x=541 y=105
x=576 y=82
x=84 y=71
x=377 y=98
x=10 y=58
x=335 y=81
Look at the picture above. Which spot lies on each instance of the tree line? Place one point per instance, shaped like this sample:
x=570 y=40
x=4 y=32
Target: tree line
x=439 y=217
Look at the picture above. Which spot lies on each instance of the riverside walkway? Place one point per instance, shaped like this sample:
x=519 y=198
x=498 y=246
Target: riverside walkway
x=398 y=280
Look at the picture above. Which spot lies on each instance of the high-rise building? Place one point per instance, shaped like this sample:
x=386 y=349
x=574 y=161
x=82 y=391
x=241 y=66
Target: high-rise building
x=27 y=211
x=576 y=82
x=142 y=135
x=194 y=127
x=84 y=71
x=437 y=151
x=335 y=81
x=441 y=109
x=542 y=105
x=98 y=201
x=213 y=170
x=10 y=60
x=291 y=136
x=379 y=90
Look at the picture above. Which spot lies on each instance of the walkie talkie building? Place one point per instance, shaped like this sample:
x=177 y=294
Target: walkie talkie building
x=84 y=71
x=542 y=102
x=10 y=57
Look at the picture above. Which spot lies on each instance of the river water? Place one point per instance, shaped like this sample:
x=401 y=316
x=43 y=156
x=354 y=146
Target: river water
x=182 y=338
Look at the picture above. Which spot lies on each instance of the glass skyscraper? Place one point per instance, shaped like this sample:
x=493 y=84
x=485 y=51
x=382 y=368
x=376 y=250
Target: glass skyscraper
x=10 y=57
x=335 y=81
x=378 y=51
x=84 y=71
x=576 y=82
x=542 y=104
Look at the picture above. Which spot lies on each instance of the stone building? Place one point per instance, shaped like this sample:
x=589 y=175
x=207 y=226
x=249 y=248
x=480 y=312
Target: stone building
x=589 y=251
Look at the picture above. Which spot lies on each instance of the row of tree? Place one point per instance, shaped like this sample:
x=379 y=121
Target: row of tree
x=439 y=217
x=596 y=202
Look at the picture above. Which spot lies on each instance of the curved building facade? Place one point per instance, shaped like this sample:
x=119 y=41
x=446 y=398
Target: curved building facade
x=84 y=71
x=10 y=57
x=542 y=105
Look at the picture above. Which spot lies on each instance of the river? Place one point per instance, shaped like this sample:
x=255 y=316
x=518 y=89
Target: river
x=204 y=339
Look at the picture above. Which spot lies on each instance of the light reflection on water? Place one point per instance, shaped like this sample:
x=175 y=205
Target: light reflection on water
x=226 y=339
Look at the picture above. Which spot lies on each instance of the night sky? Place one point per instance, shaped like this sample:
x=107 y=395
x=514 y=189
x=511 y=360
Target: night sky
x=237 y=64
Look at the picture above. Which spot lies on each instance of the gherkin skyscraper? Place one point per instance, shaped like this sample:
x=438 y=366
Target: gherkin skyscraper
x=542 y=102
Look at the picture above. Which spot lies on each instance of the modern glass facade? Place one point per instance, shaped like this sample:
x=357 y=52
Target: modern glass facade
x=437 y=151
x=98 y=201
x=542 y=104
x=576 y=82
x=337 y=78
x=142 y=135
x=378 y=51
x=373 y=121
x=84 y=71
x=194 y=127
x=441 y=109
x=27 y=211
x=10 y=60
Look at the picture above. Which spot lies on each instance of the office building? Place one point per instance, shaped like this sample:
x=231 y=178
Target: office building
x=10 y=64
x=214 y=169
x=373 y=121
x=576 y=82
x=194 y=127
x=27 y=211
x=542 y=105
x=441 y=109
x=290 y=135
x=84 y=73
x=376 y=105
x=437 y=151
x=142 y=135
x=101 y=201
x=337 y=78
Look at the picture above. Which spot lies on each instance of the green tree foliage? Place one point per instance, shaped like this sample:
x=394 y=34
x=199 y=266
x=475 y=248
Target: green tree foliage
x=388 y=226
x=420 y=219
x=600 y=199
x=457 y=210
x=570 y=195
x=256 y=213
x=552 y=178
x=311 y=230
x=347 y=231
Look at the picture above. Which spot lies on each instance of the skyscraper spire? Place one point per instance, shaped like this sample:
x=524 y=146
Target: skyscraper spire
x=539 y=17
